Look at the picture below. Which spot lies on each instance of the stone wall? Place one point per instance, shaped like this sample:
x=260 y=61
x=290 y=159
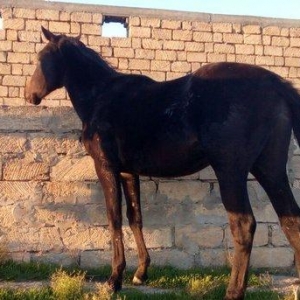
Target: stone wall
x=51 y=208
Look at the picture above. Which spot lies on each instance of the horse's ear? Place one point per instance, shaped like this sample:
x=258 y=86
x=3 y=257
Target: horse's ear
x=78 y=37
x=51 y=37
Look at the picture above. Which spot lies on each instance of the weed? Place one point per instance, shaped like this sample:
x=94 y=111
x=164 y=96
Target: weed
x=66 y=287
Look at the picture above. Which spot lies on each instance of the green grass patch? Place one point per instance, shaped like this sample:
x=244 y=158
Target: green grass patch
x=70 y=283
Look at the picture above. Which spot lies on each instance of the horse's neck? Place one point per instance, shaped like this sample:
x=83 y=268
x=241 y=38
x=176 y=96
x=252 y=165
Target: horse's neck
x=85 y=89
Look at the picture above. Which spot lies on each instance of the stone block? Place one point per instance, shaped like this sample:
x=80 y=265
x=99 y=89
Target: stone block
x=155 y=238
x=74 y=169
x=184 y=191
x=47 y=14
x=84 y=17
x=278 y=238
x=12 y=192
x=172 y=257
x=268 y=257
x=193 y=237
x=13 y=143
x=57 y=258
x=82 y=238
x=261 y=237
x=141 y=32
x=212 y=258
x=29 y=118
x=94 y=258
x=25 y=170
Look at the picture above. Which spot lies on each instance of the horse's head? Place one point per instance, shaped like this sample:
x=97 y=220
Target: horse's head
x=49 y=72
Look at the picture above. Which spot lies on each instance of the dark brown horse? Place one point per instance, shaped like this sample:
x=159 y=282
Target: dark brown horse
x=235 y=117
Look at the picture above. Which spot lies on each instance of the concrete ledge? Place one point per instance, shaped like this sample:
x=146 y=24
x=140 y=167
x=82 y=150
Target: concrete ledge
x=151 y=13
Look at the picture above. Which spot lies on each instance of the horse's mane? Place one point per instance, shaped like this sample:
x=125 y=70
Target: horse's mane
x=83 y=53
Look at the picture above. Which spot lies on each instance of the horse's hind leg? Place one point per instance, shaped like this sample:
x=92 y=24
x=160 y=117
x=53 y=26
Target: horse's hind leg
x=273 y=178
x=233 y=187
x=131 y=186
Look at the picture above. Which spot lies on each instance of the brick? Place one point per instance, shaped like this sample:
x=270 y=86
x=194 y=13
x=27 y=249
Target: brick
x=81 y=17
x=252 y=29
x=295 y=32
x=15 y=24
x=244 y=49
x=273 y=50
x=215 y=57
x=13 y=92
x=291 y=52
x=182 y=35
x=24 y=13
x=3 y=91
x=23 y=47
x=120 y=52
x=144 y=54
x=193 y=46
x=291 y=62
x=218 y=37
x=151 y=44
x=233 y=38
x=134 y=21
x=97 y=18
x=202 y=36
x=59 y=27
x=47 y=14
x=271 y=30
x=65 y=16
x=98 y=41
x=254 y=39
x=165 y=55
x=170 y=24
x=222 y=27
x=121 y=42
x=23 y=170
x=160 y=65
x=12 y=35
x=280 y=41
x=180 y=66
x=295 y=42
x=201 y=26
x=11 y=80
x=29 y=36
x=5 y=69
x=181 y=55
x=139 y=64
x=5 y=45
x=245 y=59
x=150 y=22
x=265 y=60
x=142 y=32
x=224 y=48
x=196 y=57
x=35 y=25
x=161 y=34
x=173 y=45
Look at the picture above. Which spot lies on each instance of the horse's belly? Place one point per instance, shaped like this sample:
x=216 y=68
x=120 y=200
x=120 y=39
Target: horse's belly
x=170 y=160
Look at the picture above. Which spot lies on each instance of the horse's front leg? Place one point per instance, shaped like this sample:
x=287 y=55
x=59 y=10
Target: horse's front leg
x=131 y=186
x=105 y=165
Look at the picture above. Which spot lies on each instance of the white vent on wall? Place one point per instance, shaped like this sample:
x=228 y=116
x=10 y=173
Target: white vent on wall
x=114 y=27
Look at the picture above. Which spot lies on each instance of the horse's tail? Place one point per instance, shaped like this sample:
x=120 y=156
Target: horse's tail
x=292 y=98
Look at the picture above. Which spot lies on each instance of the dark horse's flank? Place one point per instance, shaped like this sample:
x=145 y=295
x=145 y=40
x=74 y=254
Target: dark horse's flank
x=235 y=117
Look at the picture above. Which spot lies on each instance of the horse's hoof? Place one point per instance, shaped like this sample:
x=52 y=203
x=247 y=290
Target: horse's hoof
x=137 y=281
x=114 y=286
